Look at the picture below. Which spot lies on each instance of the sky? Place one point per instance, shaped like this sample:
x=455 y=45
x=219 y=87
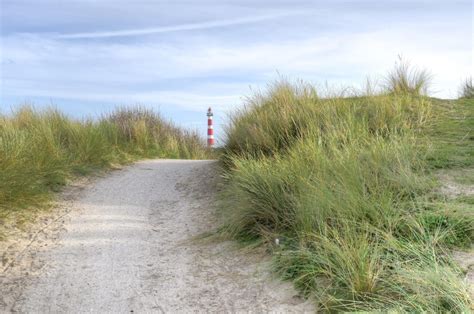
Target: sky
x=180 y=57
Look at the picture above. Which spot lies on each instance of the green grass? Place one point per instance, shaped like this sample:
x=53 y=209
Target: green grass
x=452 y=134
x=347 y=186
x=41 y=150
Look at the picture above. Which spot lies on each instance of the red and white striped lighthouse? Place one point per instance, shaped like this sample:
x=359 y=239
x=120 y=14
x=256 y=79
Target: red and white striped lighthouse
x=210 y=129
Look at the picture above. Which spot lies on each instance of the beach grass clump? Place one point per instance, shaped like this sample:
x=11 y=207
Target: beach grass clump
x=343 y=185
x=40 y=150
x=467 y=89
x=406 y=79
x=272 y=122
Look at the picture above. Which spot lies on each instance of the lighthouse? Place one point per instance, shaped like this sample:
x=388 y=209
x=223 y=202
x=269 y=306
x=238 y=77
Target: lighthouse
x=210 y=128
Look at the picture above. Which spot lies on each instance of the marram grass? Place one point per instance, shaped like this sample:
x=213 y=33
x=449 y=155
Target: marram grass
x=41 y=150
x=343 y=183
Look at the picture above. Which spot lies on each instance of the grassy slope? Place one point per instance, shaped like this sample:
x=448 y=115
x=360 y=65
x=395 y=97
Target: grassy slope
x=453 y=162
x=452 y=154
x=41 y=150
x=348 y=188
x=452 y=134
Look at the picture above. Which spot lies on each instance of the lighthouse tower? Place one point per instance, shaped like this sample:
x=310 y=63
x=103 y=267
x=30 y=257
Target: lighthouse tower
x=210 y=128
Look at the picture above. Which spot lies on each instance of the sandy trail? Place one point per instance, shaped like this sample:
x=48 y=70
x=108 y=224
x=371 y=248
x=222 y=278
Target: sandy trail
x=128 y=246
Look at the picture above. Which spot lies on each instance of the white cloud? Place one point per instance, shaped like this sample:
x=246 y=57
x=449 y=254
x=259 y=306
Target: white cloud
x=179 y=27
x=193 y=70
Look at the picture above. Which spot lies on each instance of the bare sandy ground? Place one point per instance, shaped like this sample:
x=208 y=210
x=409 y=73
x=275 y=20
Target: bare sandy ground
x=127 y=243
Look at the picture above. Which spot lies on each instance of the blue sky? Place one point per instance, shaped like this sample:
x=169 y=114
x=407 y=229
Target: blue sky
x=87 y=56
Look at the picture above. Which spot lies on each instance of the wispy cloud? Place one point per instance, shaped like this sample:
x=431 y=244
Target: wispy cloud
x=180 y=27
x=44 y=59
x=192 y=73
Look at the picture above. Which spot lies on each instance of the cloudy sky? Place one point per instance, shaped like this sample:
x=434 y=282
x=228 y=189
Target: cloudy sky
x=87 y=56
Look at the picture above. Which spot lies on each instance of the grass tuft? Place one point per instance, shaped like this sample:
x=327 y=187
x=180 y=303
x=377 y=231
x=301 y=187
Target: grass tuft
x=406 y=79
x=467 y=89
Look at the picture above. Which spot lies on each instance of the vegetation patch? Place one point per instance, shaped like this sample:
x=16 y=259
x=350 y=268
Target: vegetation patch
x=41 y=150
x=343 y=191
x=467 y=89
